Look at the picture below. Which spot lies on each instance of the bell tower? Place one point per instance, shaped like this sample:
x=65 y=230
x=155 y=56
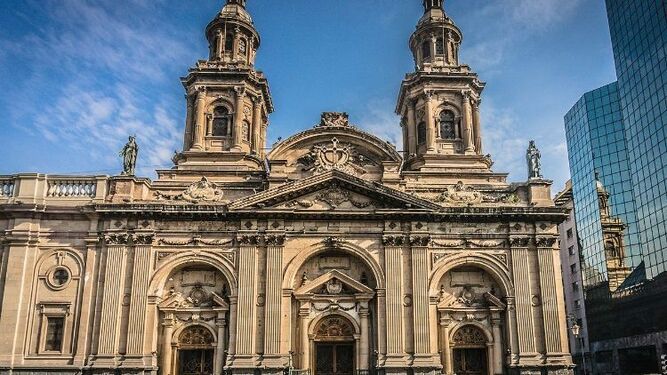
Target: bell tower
x=439 y=102
x=228 y=100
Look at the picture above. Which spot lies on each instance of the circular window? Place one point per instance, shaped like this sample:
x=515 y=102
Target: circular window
x=58 y=278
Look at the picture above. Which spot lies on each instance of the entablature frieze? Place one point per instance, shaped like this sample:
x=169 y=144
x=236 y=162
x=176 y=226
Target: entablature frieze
x=127 y=238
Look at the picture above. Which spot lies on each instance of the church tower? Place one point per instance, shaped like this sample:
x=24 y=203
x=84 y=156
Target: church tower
x=228 y=100
x=439 y=102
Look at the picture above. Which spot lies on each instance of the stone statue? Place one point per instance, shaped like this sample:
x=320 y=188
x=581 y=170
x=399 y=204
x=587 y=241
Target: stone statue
x=129 y=155
x=533 y=157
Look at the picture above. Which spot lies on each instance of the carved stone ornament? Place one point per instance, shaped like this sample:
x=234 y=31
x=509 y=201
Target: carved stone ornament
x=460 y=194
x=249 y=240
x=520 y=241
x=334 y=327
x=545 y=241
x=274 y=240
x=200 y=191
x=128 y=239
x=335 y=119
x=420 y=240
x=194 y=241
x=470 y=243
x=469 y=335
x=332 y=197
x=333 y=242
x=394 y=240
x=334 y=286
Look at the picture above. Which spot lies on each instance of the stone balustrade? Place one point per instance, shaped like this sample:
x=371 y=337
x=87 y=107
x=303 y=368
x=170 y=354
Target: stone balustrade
x=42 y=188
x=71 y=188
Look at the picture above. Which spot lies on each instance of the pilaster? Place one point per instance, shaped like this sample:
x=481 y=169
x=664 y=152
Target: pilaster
x=238 y=118
x=393 y=254
x=524 y=316
x=107 y=350
x=136 y=330
x=200 y=119
x=273 y=302
x=246 y=315
x=430 y=120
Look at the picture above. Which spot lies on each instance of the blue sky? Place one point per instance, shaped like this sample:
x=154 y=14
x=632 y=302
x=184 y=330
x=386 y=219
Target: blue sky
x=78 y=76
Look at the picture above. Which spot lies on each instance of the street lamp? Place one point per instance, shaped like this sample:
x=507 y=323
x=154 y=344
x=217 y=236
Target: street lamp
x=576 y=331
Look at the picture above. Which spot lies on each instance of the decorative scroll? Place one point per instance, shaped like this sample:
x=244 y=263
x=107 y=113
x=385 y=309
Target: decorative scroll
x=201 y=191
x=195 y=241
x=470 y=243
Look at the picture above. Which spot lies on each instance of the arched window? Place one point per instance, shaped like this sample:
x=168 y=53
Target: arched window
x=421 y=133
x=426 y=50
x=447 y=125
x=221 y=121
x=440 y=46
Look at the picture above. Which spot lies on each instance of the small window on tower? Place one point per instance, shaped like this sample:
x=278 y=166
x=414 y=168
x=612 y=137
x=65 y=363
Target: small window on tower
x=447 y=125
x=243 y=47
x=229 y=42
x=220 y=122
x=54 y=334
x=421 y=133
x=426 y=50
x=440 y=46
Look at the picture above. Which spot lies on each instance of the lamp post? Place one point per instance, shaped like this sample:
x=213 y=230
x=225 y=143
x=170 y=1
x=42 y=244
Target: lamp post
x=576 y=332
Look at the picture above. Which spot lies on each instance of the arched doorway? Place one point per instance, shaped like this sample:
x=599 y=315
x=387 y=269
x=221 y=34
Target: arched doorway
x=196 y=348
x=334 y=346
x=469 y=347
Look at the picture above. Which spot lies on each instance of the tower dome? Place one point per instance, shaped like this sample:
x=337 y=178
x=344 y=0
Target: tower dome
x=435 y=44
x=232 y=35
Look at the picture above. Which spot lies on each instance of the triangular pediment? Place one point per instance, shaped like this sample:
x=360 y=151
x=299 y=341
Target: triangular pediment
x=333 y=282
x=178 y=301
x=333 y=190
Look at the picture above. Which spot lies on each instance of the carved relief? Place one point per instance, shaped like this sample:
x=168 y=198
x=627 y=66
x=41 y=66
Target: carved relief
x=333 y=197
x=469 y=336
x=335 y=119
x=334 y=155
x=334 y=327
x=201 y=191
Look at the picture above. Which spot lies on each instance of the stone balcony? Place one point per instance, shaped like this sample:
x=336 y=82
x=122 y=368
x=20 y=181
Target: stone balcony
x=37 y=188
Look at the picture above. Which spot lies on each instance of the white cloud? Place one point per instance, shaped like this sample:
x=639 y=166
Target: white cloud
x=380 y=120
x=514 y=21
x=504 y=141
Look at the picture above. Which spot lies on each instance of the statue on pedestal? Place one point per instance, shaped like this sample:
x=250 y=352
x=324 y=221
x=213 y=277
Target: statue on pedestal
x=533 y=157
x=129 y=155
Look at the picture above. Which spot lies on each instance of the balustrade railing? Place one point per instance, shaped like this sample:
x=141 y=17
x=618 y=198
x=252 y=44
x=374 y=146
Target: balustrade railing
x=71 y=188
x=7 y=188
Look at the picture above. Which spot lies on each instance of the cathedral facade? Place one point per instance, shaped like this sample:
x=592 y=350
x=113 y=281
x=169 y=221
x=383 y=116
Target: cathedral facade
x=332 y=254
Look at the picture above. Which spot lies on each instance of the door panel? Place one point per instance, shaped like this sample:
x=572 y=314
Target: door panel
x=334 y=359
x=195 y=362
x=470 y=362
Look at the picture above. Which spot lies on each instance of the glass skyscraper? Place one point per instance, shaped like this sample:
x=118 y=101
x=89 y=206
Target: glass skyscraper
x=619 y=133
x=639 y=37
x=597 y=145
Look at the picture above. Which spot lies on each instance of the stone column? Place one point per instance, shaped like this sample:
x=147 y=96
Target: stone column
x=381 y=326
x=524 y=315
x=412 y=128
x=497 y=346
x=477 y=128
x=136 y=329
x=550 y=294
x=512 y=333
x=304 y=315
x=262 y=140
x=256 y=125
x=187 y=140
x=272 y=305
x=209 y=124
x=433 y=50
x=167 y=333
x=231 y=348
x=430 y=121
x=220 y=323
x=112 y=296
x=404 y=130
x=200 y=120
x=447 y=351
x=238 y=118
x=364 y=340
x=468 y=142
x=246 y=322
x=393 y=259
x=220 y=41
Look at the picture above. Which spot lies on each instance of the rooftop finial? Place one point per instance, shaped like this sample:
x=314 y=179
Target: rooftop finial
x=237 y=2
x=432 y=4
